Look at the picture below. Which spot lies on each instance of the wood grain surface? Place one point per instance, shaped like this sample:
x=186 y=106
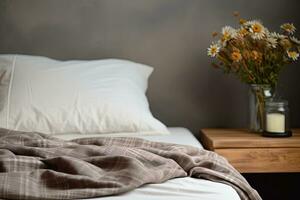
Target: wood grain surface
x=264 y=160
x=253 y=153
x=241 y=138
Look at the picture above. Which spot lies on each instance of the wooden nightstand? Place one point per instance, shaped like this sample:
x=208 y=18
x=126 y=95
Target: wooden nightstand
x=252 y=153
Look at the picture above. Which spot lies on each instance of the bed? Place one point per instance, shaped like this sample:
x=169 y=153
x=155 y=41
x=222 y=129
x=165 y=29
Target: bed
x=180 y=188
x=82 y=129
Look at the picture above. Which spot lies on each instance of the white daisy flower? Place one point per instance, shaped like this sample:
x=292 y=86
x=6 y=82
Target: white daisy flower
x=288 y=27
x=293 y=55
x=295 y=40
x=271 y=42
x=277 y=35
x=251 y=22
x=228 y=33
x=267 y=31
x=257 y=29
x=213 y=50
x=228 y=30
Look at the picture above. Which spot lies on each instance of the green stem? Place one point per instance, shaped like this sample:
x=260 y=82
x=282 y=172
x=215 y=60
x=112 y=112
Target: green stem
x=260 y=106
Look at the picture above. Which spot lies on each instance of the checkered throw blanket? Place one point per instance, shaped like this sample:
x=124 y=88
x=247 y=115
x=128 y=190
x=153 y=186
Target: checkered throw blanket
x=37 y=166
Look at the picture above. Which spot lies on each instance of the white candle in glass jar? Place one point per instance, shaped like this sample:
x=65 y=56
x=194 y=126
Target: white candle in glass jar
x=275 y=122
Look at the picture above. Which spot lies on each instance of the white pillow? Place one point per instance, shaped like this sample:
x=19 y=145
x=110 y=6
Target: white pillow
x=54 y=97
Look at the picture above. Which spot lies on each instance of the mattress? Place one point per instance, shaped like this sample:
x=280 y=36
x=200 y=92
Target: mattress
x=185 y=188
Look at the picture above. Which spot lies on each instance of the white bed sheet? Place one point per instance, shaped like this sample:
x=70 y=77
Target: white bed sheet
x=185 y=188
x=177 y=135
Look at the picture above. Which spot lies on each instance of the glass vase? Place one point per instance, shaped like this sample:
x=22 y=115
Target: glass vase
x=258 y=95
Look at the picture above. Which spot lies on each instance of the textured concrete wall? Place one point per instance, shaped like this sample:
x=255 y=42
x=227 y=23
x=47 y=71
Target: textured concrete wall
x=170 y=35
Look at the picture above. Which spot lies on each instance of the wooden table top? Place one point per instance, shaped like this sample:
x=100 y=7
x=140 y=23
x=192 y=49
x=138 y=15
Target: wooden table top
x=242 y=138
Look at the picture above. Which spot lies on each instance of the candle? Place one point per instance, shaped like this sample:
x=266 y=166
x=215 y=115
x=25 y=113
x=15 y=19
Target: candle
x=275 y=122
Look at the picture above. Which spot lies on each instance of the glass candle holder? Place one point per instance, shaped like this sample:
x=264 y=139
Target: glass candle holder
x=276 y=119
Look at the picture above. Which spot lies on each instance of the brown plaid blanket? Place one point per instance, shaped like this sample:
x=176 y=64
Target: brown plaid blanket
x=37 y=166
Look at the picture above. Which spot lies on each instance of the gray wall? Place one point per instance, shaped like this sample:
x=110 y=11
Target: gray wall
x=171 y=35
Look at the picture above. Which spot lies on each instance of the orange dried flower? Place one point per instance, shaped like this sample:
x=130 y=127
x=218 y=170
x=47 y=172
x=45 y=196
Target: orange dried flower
x=254 y=55
x=246 y=55
x=242 y=21
x=257 y=56
x=243 y=32
x=236 y=56
x=214 y=34
x=236 y=14
x=285 y=43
